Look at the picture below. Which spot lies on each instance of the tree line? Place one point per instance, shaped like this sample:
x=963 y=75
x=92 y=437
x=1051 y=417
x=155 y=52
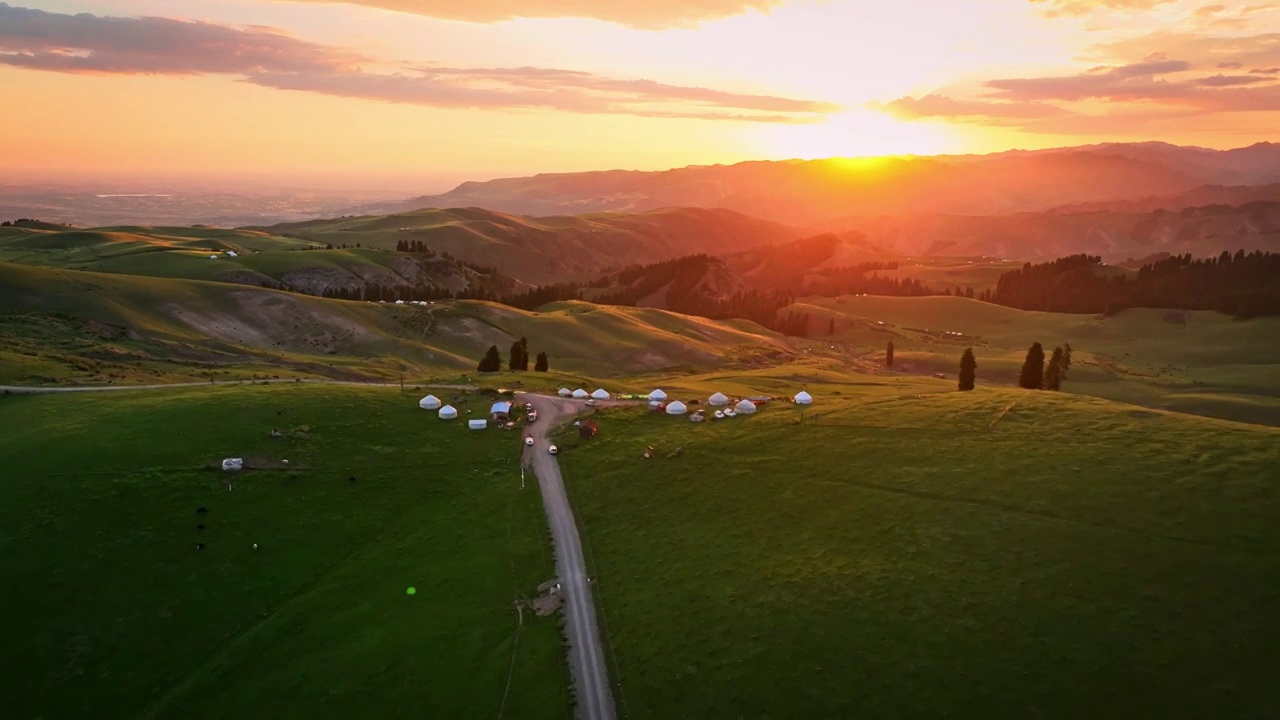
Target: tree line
x=1242 y=285
x=518 y=359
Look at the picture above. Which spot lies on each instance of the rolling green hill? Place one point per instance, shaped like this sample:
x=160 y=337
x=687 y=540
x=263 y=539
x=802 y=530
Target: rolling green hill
x=247 y=257
x=903 y=550
x=543 y=250
x=1199 y=362
x=72 y=326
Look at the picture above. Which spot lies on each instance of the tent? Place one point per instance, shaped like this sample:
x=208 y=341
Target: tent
x=565 y=392
x=746 y=407
x=430 y=402
x=600 y=394
x=677 y=408
x=500 y=408
x=803 y=398
x=719 y=400
x=448 y=412
x=657 y=395
x=580 y=393
x=477 y=424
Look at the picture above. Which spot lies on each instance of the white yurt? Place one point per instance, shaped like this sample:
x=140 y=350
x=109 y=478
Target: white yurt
x=565 y=392
x=600 y=394
x=657 y=395
x=477 y=424
x=803 y=398
x=430 y=402
x=677 y=408
x=746 y=407
x=448 y=412
x=718 y=400
x=580 y=394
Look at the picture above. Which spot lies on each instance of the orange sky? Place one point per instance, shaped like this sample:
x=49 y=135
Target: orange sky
x=429 y=92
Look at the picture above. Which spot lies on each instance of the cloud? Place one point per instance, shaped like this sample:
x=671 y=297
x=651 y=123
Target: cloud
x=1207 y=10
x=1221 y=80
x=647 y=14
x=936 y=105
x=1266 y=71
x=1083 y=7
x=1125 y=82
x=1230 y=65
x=40 y=40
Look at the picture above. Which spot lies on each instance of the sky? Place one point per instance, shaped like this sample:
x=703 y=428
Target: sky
x=422 y=94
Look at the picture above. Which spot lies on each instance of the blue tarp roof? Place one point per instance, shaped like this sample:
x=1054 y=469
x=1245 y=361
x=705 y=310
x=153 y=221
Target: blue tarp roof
x=503 y=408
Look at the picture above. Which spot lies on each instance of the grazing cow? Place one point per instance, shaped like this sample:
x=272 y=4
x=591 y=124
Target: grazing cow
x=201 y=510
x=351 y=479
x=200 y=526
x=199 y=546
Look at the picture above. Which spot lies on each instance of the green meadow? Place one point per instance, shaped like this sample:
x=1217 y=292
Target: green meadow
x=903 y=550
x=117 y=612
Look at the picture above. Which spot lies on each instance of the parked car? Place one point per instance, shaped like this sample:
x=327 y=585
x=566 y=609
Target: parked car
x=553 y=449
x=533 y=415
x=528 y=442
x=591 y=402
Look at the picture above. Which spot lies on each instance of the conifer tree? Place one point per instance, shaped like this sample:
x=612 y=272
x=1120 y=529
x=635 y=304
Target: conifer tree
x=1032 y=375
x=541 y=364
x=968 y=368
x=888 y=355
x=1056 y=372
x=491 y=362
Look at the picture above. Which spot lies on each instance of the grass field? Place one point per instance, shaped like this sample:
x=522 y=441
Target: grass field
x=905 y=552
x=117 y=614
x=1210 y=365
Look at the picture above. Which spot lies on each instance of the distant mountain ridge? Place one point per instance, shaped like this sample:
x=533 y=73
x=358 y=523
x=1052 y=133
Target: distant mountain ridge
x=817 y=193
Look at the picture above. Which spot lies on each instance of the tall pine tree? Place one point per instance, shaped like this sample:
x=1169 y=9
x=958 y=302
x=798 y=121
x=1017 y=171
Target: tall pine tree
x=888 y=355
x=492 y=360
x=968 y=369
x=1032 y=375
x=514 y=362
x=524 y=355
x=1057 y=370
x=541 y=364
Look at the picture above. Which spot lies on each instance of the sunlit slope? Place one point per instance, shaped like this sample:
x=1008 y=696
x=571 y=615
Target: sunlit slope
x=905 y=550
x=1210 y=364
x=67 y=319
x=542 y=250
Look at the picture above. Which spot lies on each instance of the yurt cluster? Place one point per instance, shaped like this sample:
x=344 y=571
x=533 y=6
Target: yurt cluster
x=722 y=406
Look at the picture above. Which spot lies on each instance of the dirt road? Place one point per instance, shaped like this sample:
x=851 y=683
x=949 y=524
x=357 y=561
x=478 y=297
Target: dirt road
x=586 y=653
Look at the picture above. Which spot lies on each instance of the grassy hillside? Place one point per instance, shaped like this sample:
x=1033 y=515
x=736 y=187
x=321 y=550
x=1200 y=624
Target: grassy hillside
x=69 y=326
x=543 y=250
x=906 y=550
x=263 y=259
x=1210 y=365
x=123 y=616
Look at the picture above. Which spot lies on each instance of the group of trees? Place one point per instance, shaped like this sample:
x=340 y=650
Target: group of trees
x=1035 y=375
x=518 y=360
x=19 y=221
x=1242 y=285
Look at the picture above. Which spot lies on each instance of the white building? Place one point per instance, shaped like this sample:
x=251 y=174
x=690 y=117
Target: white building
x=448 y=412
x=677 y=408
x=430 y=402
x=718 y=400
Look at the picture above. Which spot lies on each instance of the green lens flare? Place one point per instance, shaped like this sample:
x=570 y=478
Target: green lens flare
x=410 y=591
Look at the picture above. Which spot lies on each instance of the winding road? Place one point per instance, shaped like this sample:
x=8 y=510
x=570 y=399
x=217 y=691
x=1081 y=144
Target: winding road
x=586 y=652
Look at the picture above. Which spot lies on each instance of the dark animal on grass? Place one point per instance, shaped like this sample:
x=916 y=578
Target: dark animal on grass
x=200 y=526
x=201 y=510
x=199 y=546
x=351 y=479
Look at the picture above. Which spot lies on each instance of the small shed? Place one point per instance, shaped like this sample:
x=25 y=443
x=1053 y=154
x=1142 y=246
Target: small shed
x=587 y=429
x=677 y=408
x=448 y=412
x=803 y=398
x=580 y=394
x=657 y=395
x=477 y=424
x=746 y=407
x=718 y=400
x=565 y=392
x=600 y=394
x=500 y=409
x=430 y=402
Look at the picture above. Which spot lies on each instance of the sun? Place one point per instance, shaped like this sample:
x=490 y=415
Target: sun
x=855 y=133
